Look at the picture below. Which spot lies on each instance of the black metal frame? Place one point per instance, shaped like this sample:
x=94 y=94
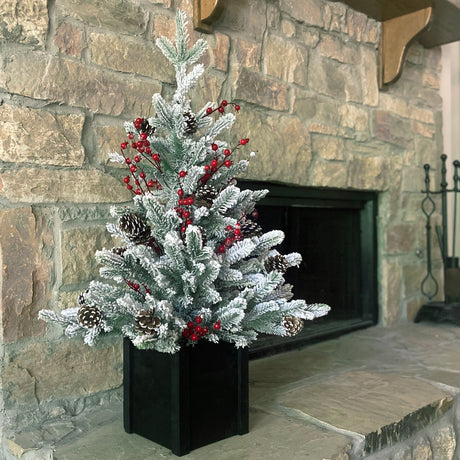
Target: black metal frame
x=366 y=204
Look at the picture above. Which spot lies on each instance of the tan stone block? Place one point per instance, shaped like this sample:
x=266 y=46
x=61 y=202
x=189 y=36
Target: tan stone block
x=308 y=36
x=50 y=186
x=329 y=174
x=253 y=87
x=69 y=39
x=40 y=76
x=357 y=25
x=354 y=117
x=413 y=277
x=413 y=307
x=423 y=129
x=24 y=21
x=25 y=278
x=207 y=90
x=431 y=80
x=334 y=48
x=327 y=147
x=247 y=18
x=36 y=136
x=114 y=15
x=368 y=147
x=324 y=129
x=370 y=78
x=373 y=31
x=273 y=16
x=368 y=173
x=78 y=249
x=307 y=11
x=282 y=144
x=285 y=60
x=129 y=55
x=421 y=449
x=70 y=368
x=391 y=279
x=338 y=18
x=220 y=52
x=423 y=115
x=247 y=53
x=392 y=129
x=400 y=238
x=109 y=140
x=394 y=104
x=443 y=442
x=288 y=28
x=164 y=26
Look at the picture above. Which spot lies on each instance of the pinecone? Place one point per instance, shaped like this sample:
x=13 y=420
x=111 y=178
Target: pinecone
x=146 y=323
x=190 y=123
x=146 y=128
x=135 y=228
x=205 y=196
x=119 y=251
x=81 y=299
x=278 y=263
x=88 y=317
x=293 y=325
x=249 y=228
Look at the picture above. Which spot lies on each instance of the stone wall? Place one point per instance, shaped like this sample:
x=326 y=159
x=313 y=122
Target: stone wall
x=71 y=71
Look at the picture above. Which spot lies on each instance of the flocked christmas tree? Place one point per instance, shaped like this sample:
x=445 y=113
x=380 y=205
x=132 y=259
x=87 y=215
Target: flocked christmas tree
x=194 y=264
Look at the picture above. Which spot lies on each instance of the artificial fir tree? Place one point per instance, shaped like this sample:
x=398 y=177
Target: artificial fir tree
x=194 y=264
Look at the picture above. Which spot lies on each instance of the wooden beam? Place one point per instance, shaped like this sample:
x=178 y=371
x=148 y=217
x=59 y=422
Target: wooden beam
x=205 y=12
x=397 y=34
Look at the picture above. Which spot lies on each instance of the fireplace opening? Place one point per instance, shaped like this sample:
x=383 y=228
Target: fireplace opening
x=335 y=232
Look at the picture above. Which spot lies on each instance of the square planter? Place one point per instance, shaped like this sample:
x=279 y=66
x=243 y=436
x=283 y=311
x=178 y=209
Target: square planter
x=186 y=400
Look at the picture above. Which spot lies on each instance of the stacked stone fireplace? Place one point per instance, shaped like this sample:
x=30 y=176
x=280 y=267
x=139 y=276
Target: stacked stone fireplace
x=305 y=75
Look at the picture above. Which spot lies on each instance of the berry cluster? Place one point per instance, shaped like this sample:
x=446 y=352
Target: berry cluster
x=136 y=287
x=143 y=151
x=233 y=234
x=221 y=108
x=195 y=331
x=183 y=209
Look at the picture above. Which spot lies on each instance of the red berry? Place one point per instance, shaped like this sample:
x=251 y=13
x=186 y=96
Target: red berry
x=228 y=241
x=183 y=229
x=216 y=325
x=205 y=330
x=138 y=121
x=139 y=144
x=243 y=141
x=237 y=107
x=229 y=228
x=156 y=157
x=126 y=180
x=207 y=167
x=198 y=320
x=129 y=187
x=146 y=143
x=199 y=330
x=190 y=201
x=185 y=333
x=148 y=150
x=182 y=173
x=186 y=214
x=142 y=175
x=143 y=136
x=221 y=109
x=180 y=192
x=228 y=163
x=140 y=149
x=213 y=163
x=188 y=221
x=237 y=232
x=221 y=249
x=137 y=182
x=134 y=145
x=130 y=136
x=214 y=147
x=133 y=169
x=190 y=325
x=137 y=159
x=123 y=145
x=138 y=191
x=128 y=161
x=227 y=152
x=150 y=183
x=194 y=337
x=209 y=110
x=255 y=214
x=224 y=103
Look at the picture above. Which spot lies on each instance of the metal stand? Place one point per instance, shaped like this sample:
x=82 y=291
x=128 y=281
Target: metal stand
x=449 y=310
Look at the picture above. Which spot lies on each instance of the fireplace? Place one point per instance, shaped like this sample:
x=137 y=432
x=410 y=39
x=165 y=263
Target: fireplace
x=335 y=231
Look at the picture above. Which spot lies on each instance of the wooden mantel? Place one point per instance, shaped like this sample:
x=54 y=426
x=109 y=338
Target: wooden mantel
x=431 y=22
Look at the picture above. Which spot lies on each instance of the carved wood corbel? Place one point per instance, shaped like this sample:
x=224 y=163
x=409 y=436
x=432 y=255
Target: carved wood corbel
x=397 y=34
x=205 y=12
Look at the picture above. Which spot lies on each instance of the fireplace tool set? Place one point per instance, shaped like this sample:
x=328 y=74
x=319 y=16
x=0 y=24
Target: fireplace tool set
x=449 y=309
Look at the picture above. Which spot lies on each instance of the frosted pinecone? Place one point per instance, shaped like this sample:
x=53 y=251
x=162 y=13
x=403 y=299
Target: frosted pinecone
x=135 y=228
x=250 y=228
x=278 y=263
x=88 y=317
x=205 y=196
x=147 y=323
x=146 y=128
x=119 y=251
x=190 y=123
x=293 y=325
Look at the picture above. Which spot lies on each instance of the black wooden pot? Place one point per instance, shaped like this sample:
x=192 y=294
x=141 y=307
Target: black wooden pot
x=186 y=400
